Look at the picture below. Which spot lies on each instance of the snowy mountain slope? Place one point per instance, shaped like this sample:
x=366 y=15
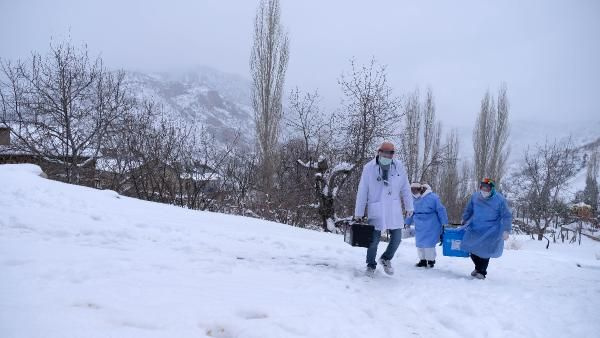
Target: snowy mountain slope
x=219 y=101
x=79 y=262
x=586 y=150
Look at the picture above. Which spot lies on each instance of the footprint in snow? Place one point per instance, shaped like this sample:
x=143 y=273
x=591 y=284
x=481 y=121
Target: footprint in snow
x=15 y=262
x=218 y=331
x=87 y=305
x=251 y=314
x=138 y=325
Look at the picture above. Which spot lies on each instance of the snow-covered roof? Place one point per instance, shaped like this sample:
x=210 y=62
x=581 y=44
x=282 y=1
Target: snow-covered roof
x=209 y=176
x=11 y=150
x=581 y=205
x=343 y=166
x=309 y=164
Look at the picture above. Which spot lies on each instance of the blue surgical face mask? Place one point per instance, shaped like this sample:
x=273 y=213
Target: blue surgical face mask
x=384 y=160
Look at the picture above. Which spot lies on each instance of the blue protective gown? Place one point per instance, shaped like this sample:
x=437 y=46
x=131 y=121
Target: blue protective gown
x=428 y=218
x=486 y=220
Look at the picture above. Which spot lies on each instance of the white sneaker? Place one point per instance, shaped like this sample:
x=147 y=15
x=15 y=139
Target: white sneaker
x=479 y=275
x=370 y=272
x=387 y=266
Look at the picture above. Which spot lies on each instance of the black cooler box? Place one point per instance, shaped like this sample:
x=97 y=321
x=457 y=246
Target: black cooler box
x=358 y=233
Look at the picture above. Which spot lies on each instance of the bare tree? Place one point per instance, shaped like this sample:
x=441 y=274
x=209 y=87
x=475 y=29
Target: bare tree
x=268 y=64
x=370 y=111
x=482 y=136
x=431 y=139
x=155 y=157
x=421 y=149
x=500 y=149
x=328 y=181
x=541 y=181
x=590 y=192
x=60 y=106
x=121 y=152
x=490 y=137
x=453 y=187
x=305 y=121
x=411 y=139
x=239 y=181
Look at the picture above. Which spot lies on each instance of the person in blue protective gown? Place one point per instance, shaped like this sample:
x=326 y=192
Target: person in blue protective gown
x=429 y=218
x=488 y=221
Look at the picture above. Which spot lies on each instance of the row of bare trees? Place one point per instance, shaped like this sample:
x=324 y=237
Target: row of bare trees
x=62 y=105
x=71 y=111
x=74 y=116
x=331 y=151
x=334 y=149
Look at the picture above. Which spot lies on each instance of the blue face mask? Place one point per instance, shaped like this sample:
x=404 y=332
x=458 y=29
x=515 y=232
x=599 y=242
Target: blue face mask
x=385 y=160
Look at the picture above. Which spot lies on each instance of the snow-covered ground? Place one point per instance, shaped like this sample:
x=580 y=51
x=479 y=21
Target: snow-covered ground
x=78 y=262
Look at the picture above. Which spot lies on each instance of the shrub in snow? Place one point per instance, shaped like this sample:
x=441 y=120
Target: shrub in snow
x=328 y=181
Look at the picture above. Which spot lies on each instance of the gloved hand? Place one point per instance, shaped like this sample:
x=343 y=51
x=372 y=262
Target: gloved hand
x=409 y=213
x=442 y=238
x=360 y=219
x=505 y=235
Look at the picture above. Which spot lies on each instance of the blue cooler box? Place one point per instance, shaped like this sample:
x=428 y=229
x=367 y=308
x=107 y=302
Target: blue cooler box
x=452 y=240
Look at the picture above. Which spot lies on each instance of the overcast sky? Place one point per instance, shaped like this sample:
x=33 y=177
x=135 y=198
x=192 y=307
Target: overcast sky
x=547 y=52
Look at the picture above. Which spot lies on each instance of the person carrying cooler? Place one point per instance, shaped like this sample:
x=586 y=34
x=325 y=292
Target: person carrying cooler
x=488 y=221
x=382 y=189
x=429 y=218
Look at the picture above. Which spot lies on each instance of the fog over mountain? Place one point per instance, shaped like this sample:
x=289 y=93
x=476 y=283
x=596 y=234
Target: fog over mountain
x=221 y=102
x=545 y=51
x=218 y=101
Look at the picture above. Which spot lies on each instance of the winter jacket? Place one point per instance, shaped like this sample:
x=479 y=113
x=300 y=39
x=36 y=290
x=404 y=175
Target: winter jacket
x=486 y=220
x=383 y=201
x=429 y=216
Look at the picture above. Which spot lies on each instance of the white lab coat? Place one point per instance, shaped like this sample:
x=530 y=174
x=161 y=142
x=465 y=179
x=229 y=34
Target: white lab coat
x=383 y=202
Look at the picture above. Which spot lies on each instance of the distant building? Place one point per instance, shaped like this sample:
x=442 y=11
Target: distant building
x=4 y=136
x=11 y=154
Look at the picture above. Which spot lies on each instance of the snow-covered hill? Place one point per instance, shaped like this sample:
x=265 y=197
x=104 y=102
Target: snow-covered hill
x=217 y=100
x=79 y=262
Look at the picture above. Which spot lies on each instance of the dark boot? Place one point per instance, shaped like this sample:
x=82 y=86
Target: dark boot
x=431 y=263
x=422 y=264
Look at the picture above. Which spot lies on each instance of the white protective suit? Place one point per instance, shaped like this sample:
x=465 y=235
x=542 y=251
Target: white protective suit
x=383 y=201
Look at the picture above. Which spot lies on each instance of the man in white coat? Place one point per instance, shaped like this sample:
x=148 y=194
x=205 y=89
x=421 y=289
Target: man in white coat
x=382 y=184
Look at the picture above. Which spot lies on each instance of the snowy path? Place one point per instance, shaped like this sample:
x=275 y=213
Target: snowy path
x=78 y=262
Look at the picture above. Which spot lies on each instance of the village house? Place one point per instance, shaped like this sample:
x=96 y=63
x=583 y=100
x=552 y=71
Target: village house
x=10 y=153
